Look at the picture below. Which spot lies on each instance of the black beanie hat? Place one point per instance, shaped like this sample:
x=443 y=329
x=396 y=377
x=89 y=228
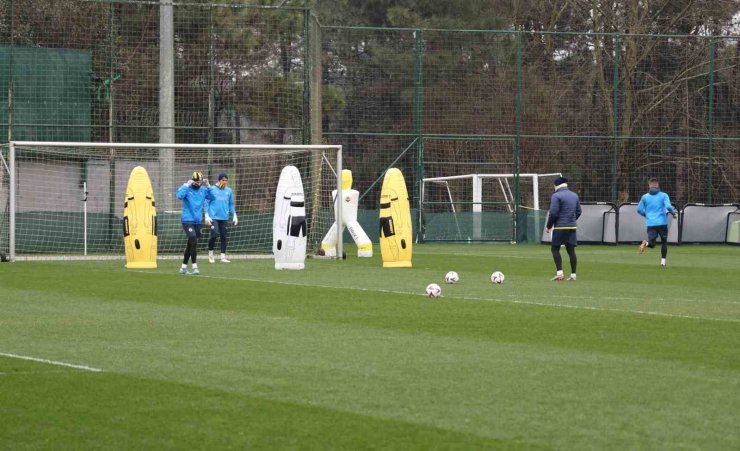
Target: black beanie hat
x=560 y=181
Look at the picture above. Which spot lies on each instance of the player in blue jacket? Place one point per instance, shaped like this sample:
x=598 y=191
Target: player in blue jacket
x=193 y=195
x=565 y=209
x=653 y=206
x=217 y=215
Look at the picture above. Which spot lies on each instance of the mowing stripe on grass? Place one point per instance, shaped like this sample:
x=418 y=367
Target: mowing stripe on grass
x=51 y=362
x=30 y=373
x=472 y=298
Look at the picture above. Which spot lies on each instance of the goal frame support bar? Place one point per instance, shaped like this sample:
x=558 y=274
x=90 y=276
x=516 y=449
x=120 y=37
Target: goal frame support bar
x=12 y=170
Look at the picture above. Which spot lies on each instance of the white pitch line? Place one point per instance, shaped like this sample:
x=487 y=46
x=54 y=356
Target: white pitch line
x=51 y=362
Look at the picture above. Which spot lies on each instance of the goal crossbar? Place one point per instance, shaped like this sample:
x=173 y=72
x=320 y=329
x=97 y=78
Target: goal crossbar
x=171 y=146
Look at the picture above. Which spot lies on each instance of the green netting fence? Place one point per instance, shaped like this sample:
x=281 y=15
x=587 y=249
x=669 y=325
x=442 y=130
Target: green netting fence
x=606 y=110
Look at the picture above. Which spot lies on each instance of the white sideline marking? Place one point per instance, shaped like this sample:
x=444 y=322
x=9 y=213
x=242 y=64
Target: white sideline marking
x=471 y=298
x=54 y=258
x=51 y=362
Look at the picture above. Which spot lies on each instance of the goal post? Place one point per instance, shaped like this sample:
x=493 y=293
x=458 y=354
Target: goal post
x=481 y=207
x=4 y=204
x=65 y=199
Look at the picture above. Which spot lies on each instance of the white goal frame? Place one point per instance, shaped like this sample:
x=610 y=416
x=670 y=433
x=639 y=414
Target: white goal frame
x=477 y=187
x=11 y=167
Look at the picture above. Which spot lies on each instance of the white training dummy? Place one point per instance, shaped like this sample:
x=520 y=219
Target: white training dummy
x=350 y=199
x=289 y=223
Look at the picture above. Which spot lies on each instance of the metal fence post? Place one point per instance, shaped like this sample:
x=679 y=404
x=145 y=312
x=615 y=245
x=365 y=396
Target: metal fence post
x=166 y=72
x=112 y=200
x=615 y=118
x=167 y=100
x=418 y=124
x=518 y=130
x=111 y=72
x=211 y=80
x=11 y=107
x=306 y=123
x=211 y=91
x=710 y=121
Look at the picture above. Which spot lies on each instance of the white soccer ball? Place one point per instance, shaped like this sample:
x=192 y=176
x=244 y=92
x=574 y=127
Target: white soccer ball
x=452 y=277
x=497 y=277
x=434 y=290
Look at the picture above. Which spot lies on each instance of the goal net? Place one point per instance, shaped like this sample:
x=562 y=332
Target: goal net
x=481 y=207
x=65 y=200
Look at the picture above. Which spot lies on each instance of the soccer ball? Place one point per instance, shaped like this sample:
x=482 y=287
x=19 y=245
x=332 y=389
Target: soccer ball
x=434 y=290
x=497 y=277
x=452 y=277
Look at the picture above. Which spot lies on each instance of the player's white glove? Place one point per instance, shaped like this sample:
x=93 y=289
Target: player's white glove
x=209 y=221
x=205 y=182
x=236 y=221
x=189 y=182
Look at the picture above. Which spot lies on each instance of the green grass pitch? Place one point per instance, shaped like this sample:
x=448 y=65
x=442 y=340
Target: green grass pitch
x=348 y=355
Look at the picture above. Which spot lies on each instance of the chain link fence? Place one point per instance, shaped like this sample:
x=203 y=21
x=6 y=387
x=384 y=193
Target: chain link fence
x=606 y=110
x=85 y=70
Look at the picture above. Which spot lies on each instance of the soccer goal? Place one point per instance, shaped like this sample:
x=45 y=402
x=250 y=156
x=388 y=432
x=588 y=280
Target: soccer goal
x=481 y=207
x=65 y=200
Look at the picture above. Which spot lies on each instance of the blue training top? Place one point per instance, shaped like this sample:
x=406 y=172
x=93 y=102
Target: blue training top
x=222 y=204
x=565 y=209
x=192 y=203
x=653 y=207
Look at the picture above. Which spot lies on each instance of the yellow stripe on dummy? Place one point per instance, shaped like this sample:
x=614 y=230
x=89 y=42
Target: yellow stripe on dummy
x=140 y=221
x=346 y=179
x=396 y=234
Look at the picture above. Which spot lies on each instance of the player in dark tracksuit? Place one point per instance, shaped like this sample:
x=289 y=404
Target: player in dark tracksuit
x=565 y=209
